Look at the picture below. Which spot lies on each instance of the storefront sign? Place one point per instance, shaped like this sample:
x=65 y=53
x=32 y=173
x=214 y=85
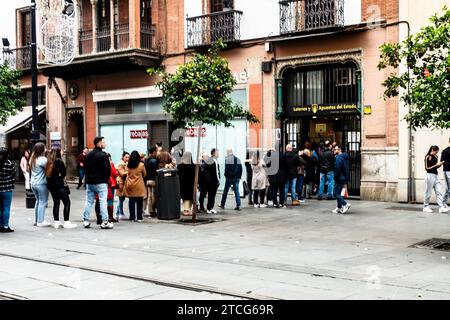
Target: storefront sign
x=241 y=78
x=193 y=132
x=322 y=110
x=138 y=134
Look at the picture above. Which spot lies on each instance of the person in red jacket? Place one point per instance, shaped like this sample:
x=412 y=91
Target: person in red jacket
x=112 y=184
x=80 y=167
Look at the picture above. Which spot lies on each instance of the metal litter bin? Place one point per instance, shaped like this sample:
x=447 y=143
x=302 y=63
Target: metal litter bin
x=168 y=194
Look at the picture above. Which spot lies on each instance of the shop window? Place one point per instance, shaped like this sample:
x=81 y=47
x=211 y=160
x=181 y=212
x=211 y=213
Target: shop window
x=115 y=107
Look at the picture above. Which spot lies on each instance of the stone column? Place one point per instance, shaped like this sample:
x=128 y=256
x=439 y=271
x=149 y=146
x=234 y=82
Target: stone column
x=111 y=23
x=94 y=25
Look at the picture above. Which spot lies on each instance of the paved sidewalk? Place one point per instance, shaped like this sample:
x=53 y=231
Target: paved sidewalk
x=303 y=252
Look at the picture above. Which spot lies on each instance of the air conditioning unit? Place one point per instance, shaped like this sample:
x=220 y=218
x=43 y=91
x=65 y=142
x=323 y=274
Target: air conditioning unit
x=266 y=66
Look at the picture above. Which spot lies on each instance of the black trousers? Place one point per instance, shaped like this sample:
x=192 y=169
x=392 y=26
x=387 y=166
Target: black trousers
x=274 y=189
x=259 y=193
x=59 y=195
x=135 y=204
x=211 y=190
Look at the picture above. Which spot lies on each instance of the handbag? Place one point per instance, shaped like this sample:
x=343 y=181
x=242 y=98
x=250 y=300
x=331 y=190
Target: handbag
x=344 y=192
x=246 y=188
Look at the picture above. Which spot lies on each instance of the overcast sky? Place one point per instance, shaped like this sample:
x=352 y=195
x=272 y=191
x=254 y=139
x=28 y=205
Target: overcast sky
x=8 y=19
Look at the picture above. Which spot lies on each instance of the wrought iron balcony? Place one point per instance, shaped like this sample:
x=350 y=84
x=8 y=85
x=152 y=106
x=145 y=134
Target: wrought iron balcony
x=121 y=38
x=206 y=29
x=18 y=59
x=310 y=15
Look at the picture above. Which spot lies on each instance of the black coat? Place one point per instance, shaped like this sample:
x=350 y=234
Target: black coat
x=310 y=168
x=278 y=175
x=151 y=165
x=233 y=167
x=208 y=174
x=186 y=172
x=97 y=167
x=326 y=161
x=292 y=164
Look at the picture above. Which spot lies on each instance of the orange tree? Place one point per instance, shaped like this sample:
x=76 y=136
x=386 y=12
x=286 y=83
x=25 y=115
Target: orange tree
x=198 y=93
x=11 y=97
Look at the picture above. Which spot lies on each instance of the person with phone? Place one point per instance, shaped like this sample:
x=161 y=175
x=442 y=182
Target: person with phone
x=432 y=181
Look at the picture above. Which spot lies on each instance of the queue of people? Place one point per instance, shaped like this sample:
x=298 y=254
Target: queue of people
x=272 y=178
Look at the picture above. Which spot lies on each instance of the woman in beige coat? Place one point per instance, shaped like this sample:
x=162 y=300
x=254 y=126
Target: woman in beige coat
x=134 y=188
x=259 y=181
x=120 y=182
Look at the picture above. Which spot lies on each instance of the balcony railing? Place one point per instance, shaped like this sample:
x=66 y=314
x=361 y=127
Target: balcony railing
x=18 y=59
x=121 y=38
x=206 y=29
x=310 y=15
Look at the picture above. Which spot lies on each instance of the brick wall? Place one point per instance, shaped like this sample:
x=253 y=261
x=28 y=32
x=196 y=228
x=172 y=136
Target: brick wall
x=380 y=9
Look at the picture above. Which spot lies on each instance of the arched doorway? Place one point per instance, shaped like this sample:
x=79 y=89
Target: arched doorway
x=75 y=141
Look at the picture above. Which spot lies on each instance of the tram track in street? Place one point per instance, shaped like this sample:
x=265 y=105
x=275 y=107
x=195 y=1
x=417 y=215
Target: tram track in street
x=193 y=287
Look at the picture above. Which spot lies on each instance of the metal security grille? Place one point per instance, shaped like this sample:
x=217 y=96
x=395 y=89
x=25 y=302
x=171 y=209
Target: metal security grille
x=434 y=243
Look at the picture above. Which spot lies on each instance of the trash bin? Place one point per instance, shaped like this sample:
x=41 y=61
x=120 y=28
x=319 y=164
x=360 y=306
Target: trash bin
x=30 y=199
x=168 y=194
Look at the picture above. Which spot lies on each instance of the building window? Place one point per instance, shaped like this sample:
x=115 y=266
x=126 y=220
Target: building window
x=103 y=13
x=331 y=84
x=26 y=28
x=146 y=11
x=221 y=5
x=41 y=96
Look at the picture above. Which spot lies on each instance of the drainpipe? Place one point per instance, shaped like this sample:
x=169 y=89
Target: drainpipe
x=411 y=172
x=279 y=112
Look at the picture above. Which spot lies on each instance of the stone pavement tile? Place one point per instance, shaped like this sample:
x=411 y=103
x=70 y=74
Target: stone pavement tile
x=176 y=294
x=383 y=292
x=437 y=274
x=21 y=286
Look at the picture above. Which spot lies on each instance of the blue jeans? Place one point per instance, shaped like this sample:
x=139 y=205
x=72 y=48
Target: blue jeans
x=119 y=211
x=300 y=187
x=41 y=193
x=330 y=177
x=337 y=193
x=5 y=208
x=228 y=184
x=292 y=185
x=91 y=191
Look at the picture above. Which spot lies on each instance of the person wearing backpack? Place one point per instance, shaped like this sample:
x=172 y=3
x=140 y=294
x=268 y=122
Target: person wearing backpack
x=432 y=181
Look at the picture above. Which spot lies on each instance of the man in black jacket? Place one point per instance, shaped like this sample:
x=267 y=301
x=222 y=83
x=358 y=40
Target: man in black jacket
x=151 y=165
x=98 y=171
x=445 y=156
x=233 y=173
x=292 y=164
x=326 y=166
x=209 y=180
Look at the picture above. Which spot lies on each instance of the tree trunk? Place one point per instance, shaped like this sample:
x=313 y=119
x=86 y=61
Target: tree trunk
x=197 y=169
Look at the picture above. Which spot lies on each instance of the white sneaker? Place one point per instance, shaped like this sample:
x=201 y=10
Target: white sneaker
x=86 y=224
x=57 y=225
x=443 y=210
x=106 y=225
x=302 y=201
x=427 y=210
x=263 y=206
x=336 y=210
x=270 y=203
x=346 y=208
x=212 y=211
x=43 y=224
x=256 y=206
x=139 y=221
x=69 y=225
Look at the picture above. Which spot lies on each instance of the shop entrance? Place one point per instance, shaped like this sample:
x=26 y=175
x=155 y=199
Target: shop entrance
x=321 y=103
x=344 y=130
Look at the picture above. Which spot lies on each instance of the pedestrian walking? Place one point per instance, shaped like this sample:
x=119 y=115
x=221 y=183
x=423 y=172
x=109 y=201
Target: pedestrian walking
x=134 y=188
x=56 y=183
x=98 y=172
x=277 y=177
x=80 y=167
x=445 y=157
x=25 y=168
x=292 y=164
x=38 y=181
x=260 y=182
x=151 y=165
x=233 y=173
x=432 y=181
x=212 y=180
x=120 y=182
x=249 y=171
x=186 y=172
x=341 y=175
x=326 y=167
x=7 y=174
